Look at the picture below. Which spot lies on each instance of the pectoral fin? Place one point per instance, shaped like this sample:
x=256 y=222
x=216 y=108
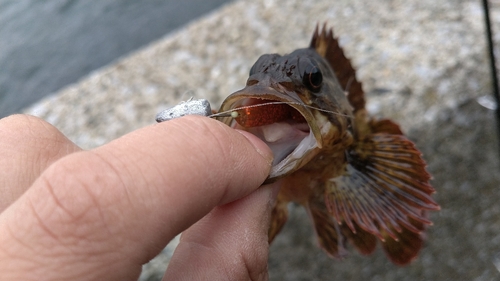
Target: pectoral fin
x=385 y=192
x=405 y=249
x=329 y=233
x=332 y=236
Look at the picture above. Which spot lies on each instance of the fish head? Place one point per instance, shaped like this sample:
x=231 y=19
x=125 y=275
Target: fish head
x=293 y=103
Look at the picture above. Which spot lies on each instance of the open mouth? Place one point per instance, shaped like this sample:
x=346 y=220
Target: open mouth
x=279 y=125
x=282 y=122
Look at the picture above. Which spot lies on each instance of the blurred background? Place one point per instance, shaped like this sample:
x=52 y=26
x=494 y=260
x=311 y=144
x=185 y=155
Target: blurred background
x=46 y=45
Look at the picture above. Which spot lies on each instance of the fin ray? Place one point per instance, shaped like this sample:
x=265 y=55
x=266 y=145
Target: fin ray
x=329 y=232
x=328 y=47
x=406 y=247
x=384 y=192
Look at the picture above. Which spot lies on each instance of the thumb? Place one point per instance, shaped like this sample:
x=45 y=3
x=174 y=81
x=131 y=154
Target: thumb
x=101 y=214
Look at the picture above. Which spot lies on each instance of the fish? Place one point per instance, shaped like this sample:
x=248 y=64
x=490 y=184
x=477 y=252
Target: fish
x=360 y=179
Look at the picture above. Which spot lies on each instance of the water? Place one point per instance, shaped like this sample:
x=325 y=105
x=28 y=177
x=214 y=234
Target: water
x=45 y=45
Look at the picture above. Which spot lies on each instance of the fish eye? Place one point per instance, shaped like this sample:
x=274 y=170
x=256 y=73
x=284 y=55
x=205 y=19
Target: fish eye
x=312 y=77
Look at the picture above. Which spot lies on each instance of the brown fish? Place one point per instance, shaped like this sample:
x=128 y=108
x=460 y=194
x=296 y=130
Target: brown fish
x=360 y=179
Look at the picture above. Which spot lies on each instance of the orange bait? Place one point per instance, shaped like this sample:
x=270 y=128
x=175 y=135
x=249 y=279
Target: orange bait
x=254 y=116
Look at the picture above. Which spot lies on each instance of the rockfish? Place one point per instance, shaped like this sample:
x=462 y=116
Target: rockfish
x=360 y=179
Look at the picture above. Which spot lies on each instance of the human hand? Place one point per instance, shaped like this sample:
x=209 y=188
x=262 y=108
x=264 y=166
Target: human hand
x=68 y=214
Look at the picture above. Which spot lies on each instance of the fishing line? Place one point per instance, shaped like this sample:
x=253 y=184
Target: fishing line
x=233 y=112
x=493 y=68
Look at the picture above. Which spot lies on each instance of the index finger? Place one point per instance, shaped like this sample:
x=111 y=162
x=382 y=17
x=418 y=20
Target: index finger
x=131 y=196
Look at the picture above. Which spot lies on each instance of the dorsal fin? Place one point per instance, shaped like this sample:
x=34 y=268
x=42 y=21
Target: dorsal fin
x=328 y=47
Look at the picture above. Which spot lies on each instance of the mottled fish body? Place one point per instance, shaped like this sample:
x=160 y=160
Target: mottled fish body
x=360 y=179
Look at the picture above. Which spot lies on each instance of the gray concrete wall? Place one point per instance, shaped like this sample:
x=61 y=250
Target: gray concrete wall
x=423 y=64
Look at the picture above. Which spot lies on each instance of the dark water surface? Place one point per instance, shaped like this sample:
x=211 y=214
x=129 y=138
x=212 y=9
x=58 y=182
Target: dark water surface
x=46 y=45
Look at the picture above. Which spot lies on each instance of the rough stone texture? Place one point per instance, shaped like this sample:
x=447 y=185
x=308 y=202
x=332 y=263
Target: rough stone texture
x=423 y=64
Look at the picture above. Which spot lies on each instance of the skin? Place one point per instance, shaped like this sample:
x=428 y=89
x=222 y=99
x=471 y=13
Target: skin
x=69 y=214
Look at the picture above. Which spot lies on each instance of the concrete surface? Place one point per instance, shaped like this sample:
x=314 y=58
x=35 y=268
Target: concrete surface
x=46 y=45
x=424 y=65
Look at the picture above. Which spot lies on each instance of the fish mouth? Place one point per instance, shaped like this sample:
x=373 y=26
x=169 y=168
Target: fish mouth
x=280 y=119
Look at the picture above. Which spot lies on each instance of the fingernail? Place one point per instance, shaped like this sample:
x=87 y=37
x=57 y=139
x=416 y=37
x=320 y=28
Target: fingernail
x=259 y=145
